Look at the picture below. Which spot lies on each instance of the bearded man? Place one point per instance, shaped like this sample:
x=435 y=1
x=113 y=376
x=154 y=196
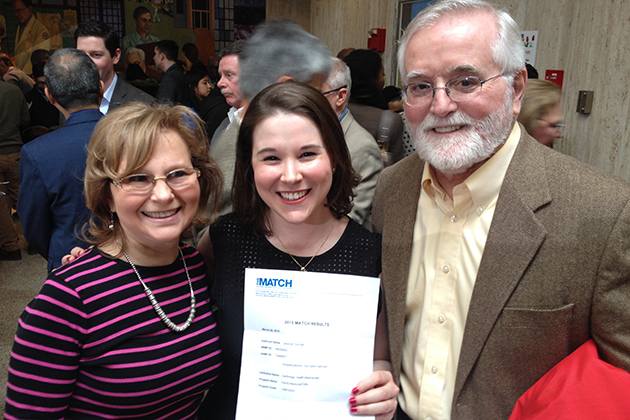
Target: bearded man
x=500 y=256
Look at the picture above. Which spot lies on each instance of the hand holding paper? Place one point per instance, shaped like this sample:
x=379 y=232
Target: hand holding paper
x=308 y=337
x=375 y=395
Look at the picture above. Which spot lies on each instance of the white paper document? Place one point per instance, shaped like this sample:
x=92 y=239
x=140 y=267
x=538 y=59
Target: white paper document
x=308 y=340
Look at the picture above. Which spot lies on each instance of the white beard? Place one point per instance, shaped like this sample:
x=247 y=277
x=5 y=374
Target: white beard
x=453 y=154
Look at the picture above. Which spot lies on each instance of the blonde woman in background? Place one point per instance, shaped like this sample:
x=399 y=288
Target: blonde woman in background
x=541 y=112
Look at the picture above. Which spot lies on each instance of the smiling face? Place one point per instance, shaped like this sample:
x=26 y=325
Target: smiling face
x=292 y=170
x=454 y=136
x=229 y=71
x=153 y=222
x=95 y=48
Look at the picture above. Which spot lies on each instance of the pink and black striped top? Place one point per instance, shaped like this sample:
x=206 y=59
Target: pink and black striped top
x=90 y=345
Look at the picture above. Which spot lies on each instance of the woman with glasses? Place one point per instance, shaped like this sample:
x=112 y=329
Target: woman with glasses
x=127 y=329
x=292 y=192
x=541 y=112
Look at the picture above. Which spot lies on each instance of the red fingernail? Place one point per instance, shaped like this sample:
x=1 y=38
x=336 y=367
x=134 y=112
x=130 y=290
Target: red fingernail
x=353 y=400
x=353 y=409
x=355 y=391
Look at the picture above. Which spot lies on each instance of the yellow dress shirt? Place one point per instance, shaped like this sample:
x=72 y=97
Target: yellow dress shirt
x=448 y=242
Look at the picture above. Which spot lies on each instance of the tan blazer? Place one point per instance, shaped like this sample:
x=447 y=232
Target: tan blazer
x=367 y=162
x=553 y=274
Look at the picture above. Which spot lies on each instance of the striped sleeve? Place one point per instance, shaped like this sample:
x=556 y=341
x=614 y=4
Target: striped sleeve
x=44 y=361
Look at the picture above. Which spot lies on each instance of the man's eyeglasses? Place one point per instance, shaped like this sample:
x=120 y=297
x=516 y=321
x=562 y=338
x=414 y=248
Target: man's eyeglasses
x=143 y=183
x=459 y=89
x=334 y=90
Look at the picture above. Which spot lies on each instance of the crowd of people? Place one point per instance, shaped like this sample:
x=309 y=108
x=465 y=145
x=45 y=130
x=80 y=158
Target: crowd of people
x=151 y=191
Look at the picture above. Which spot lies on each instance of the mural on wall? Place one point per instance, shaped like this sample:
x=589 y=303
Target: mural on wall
x=166 y=23
x=68 y=25
x=164 y=7
x=160 y=26
x=51 y=28
x=59 y=25
x=3 y=30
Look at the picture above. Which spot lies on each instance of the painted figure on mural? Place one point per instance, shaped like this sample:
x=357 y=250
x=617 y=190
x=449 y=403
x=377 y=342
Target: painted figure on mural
x=31 y=35
x=143 y=19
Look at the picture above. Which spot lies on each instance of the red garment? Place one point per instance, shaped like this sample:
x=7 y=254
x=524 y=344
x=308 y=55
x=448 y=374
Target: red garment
x=582 y=386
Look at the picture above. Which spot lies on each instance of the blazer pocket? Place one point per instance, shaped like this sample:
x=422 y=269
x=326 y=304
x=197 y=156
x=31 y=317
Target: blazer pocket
x=536 y=318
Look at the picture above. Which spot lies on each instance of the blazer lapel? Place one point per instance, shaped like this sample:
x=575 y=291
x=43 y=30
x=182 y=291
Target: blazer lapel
x=514 y=238
x=398 y=227
x=401 y=220
x=346 y=122
x=120 y=91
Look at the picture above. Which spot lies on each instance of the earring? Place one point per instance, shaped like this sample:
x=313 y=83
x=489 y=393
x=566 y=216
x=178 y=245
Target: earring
x=111 y=221
x=333 y=170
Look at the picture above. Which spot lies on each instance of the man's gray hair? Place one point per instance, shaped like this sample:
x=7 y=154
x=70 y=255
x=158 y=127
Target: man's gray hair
x=278 y=49
x=508 y=50
x=134 y=50
x=340 y=76
x=235 y=48
x=72 y=79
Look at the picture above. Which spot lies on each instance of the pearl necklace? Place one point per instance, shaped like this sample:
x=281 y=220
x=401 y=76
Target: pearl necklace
x=303 y=267
x=156 y=306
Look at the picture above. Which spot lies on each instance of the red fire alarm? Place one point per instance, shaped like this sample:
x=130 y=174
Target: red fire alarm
x=376 y=41
x=555 y=76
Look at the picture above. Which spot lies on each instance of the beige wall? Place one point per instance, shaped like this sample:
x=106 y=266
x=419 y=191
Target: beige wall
x=297 y=11
x=341 y=23
x=585 y=38
x=589 y=41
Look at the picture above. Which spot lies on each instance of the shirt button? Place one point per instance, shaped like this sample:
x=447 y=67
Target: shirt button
x=446 y=268
x=434 y=369
x=441 y=319
x=429 y=418
x=454 y=219
x=481 y=209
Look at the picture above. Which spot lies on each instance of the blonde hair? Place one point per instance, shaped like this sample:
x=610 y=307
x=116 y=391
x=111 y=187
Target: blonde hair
x=540 y=97
x=130 y=133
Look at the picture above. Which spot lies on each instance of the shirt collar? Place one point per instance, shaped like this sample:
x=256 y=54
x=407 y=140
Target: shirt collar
x=234 y=113
x=343 y=114
x=107 y=96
